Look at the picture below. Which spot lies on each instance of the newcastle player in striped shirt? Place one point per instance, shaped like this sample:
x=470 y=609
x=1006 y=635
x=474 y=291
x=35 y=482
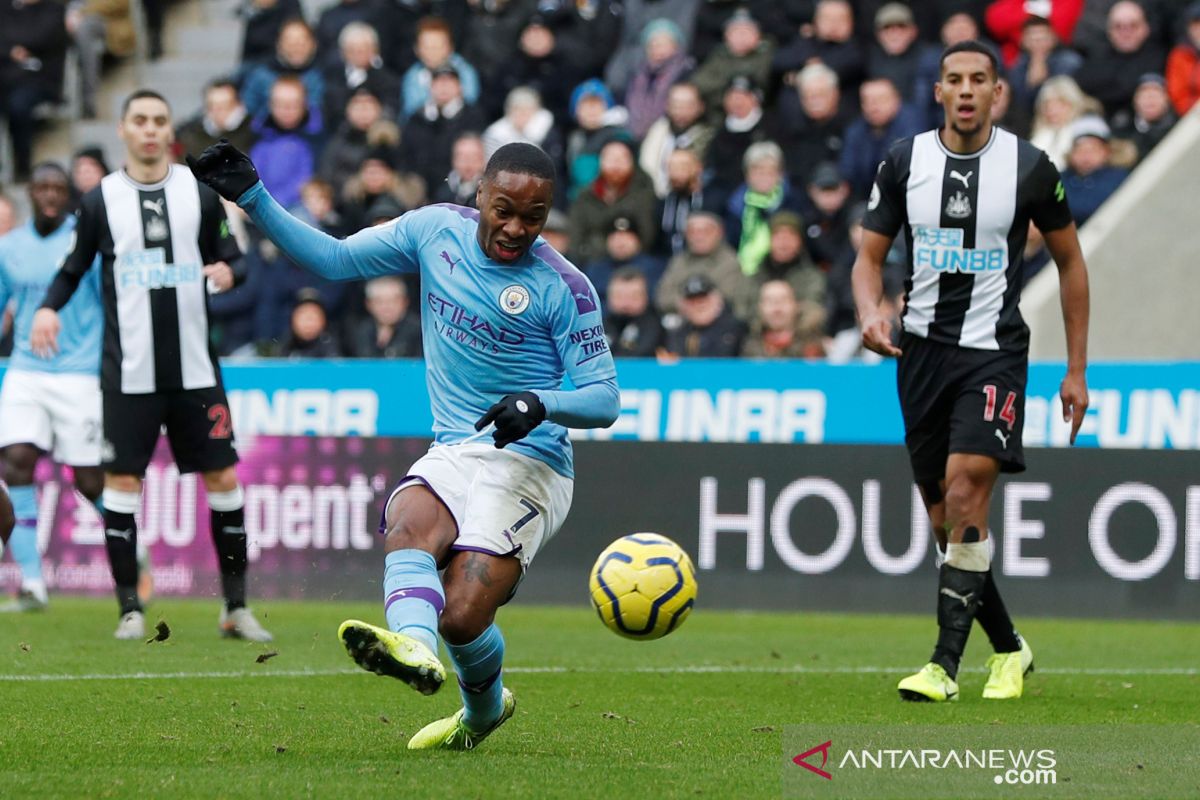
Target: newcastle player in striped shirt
x=164 y=242
x=964 y=196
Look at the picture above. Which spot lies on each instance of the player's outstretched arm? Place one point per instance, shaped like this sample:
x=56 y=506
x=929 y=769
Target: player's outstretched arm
x=866 y=280
x=366 y=254
x=1063 y=245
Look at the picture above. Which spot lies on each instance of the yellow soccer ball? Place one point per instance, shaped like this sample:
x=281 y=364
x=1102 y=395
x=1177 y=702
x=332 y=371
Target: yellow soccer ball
x=643 y=586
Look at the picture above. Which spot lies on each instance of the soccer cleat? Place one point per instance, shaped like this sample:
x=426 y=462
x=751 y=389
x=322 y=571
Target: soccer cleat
x=930 y=685
x=131 y=626
x=241 y=624
x=1007 y=671
x=392 y=654
x=25 y=600
x=451 y=734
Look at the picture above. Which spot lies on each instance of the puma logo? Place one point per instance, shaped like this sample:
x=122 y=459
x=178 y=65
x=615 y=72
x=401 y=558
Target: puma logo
x=958 y=176
x=1003 y=439
x=154 y=206
x=449 y=260
x=964 y=599
x=126 y=535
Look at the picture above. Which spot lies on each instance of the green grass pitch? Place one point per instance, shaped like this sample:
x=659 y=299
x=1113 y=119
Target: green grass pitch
x=698 y=714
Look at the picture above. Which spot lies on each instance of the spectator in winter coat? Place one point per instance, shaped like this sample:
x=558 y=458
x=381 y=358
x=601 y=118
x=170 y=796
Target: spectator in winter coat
x=630 y=322
x=636 y=14
x=1005 y=20
x=434 y=48
x=1090 y=178
x=784 y=327
x=708 y=329
x=224 y=117
x=682 y=127
x=1151 y=118
x=33 y=52
x=430 y=133
x=831 y=43
x=1042 y=56
x=623 y=249
x=751 y=206
x=885 y=120
x=540 y=63
x=525 y=120
x=745 y=123
x=710 y=255
x=263 y=21
x=665 y=64
x=744 y=52
x=360 y=66
x=467 y=163
x=897 y=50
x=813 y=124
x=686 y=193
x=390 y=330
x=598 y=120
x=287 y=139
x=295 y=56
x=1183 y=64
x=1111 y=75
x=308 y=335
x=363 y=127
x=620 y=190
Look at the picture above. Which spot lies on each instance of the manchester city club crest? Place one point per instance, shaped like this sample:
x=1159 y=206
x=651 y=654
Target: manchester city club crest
x=958 y=206
x=514 y=299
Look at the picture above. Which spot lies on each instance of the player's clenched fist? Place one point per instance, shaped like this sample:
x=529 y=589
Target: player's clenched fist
x=515 y=416
x=226 y=169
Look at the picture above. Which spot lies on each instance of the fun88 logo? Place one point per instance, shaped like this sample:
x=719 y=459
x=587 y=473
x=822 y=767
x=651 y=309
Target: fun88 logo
x=941 y=249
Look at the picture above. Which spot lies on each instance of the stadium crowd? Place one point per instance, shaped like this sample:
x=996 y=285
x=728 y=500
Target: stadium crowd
x=715 y=157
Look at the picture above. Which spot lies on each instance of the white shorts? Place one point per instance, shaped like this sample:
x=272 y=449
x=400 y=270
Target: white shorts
x=57 y=412
x=504 y=503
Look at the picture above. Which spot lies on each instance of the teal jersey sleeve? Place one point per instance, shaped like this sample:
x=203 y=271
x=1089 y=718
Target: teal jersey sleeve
x=382 y=250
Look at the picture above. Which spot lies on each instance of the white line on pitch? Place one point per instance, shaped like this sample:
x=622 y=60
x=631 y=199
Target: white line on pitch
x=680 y=670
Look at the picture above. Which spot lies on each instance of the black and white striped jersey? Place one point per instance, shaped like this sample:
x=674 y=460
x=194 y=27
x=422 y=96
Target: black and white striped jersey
x=966 y=220
x=153 y=241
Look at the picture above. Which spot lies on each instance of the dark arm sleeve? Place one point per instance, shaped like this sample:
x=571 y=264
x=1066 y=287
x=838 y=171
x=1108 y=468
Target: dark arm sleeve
x=82 y=252
x=1048 y=199
x=886 y=208
x=217 y=242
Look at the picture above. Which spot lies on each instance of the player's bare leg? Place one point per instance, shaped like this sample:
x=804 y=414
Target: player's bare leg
x=476 y=584
x=227 y=511
x=420 y=531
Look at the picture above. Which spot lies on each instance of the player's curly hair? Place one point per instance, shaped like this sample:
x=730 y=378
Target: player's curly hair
x=520 y=158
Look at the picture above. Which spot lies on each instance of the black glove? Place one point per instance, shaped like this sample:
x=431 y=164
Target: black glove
x=515 y=416
x=225 y=168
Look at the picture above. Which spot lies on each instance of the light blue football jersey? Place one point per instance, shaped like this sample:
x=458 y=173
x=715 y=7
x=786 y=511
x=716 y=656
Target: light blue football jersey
x=28 y=264
x=490 y=329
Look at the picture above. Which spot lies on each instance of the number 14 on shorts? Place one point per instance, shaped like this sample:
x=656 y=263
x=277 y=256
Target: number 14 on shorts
x=1008 y=412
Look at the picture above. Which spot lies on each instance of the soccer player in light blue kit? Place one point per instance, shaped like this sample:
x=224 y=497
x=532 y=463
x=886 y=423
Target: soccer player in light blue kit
x=505 y=318
x=47 y=405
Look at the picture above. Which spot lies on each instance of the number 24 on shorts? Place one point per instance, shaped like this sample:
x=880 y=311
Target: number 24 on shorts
x=1008 y=412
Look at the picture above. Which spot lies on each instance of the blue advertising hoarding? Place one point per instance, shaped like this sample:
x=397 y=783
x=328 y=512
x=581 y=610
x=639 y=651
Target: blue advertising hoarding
x=1136 y=406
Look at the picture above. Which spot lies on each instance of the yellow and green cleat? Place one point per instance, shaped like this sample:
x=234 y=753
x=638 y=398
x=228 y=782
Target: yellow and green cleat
x=1007 y=671
x=930 y=685
x=451 y=734
x=392 y=654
